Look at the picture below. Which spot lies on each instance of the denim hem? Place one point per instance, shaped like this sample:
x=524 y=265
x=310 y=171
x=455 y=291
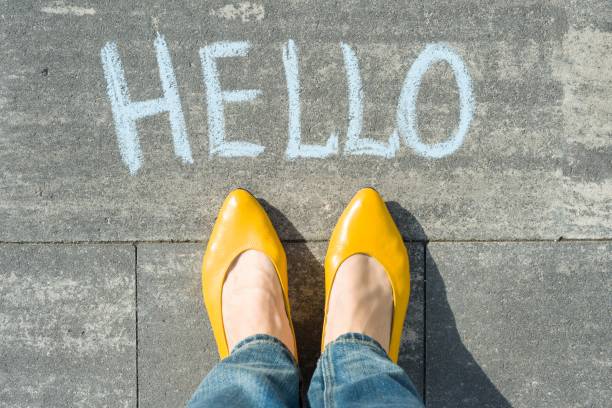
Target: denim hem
x=264 y=339
x=358 y=338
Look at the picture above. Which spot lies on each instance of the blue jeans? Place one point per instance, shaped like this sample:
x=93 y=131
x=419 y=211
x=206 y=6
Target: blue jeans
x=353 y=371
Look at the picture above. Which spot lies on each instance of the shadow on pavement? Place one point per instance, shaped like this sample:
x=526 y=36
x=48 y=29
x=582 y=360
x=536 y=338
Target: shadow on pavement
x=306 y=292
x=453 y=377
x=460 y=381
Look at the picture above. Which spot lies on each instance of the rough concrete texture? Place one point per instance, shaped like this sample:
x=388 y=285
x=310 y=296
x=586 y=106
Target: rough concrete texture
x=176 y=346
x=519 y=324
x=67 y=326
x=535 y=163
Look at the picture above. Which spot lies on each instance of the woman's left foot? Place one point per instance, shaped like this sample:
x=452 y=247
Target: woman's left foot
x=244 y=276
x=252 y=301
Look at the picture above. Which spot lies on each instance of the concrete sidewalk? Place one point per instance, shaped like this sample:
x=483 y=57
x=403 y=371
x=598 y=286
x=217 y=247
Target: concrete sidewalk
x=490 y=324
x=119 y=138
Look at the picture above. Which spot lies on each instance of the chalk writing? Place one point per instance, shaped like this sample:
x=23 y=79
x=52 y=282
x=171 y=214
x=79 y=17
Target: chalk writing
x=126 y=113
x=215 y=99
x=406 y=109
x=354 y=143
x=295 y=147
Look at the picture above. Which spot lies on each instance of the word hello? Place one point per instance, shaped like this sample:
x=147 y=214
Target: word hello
x=127 y=112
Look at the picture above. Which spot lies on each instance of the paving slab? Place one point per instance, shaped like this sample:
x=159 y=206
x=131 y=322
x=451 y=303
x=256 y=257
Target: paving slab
x=535 y=161
x=67 y=326
x=176 y=348
x=518 y=324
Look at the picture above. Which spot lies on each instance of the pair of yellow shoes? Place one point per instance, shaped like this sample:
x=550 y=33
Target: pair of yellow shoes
x=365 y=227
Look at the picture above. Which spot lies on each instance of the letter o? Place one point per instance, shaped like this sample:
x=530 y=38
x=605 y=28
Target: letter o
x=406 y=117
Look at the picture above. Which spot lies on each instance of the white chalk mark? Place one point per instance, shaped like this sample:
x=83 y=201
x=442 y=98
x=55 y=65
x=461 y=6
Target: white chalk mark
x=126 y=113
x=59 y=7
x=245 y=11
x=295 y=147
x=155 y=23
x=406 y=111
x=355 y=145
x=216 y=97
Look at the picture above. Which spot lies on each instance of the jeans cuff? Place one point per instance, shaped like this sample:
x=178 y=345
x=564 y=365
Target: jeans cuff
x=358 y=338
x=263 y=339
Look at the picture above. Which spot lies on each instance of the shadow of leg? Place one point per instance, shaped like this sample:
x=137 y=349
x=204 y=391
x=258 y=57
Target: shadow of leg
x=413 y=335
x=452 y=377
x=306 y=291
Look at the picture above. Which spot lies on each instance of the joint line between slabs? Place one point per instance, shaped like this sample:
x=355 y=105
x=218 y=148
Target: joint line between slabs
x=424 y=390
x=298 y=241
x=136 y=318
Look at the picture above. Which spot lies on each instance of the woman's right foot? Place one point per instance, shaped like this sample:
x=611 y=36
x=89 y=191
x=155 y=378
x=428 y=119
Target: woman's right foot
x=367 y=274
x=361 y=301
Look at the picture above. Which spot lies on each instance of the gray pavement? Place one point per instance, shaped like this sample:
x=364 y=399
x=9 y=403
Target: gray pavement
x=103 y=220
x=518 y=324
x=535 y=163
x=67 y=326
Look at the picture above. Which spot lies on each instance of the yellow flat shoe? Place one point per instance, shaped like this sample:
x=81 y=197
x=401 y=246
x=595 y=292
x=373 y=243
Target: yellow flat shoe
x=242 y=224
x=366 y=227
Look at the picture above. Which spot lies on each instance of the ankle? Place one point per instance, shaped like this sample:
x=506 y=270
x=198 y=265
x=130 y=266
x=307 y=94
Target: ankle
x=253 y=301
x=361 y=301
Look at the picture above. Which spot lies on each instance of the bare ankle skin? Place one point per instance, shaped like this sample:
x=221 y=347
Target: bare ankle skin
x=252 y=301
x=361 y=301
